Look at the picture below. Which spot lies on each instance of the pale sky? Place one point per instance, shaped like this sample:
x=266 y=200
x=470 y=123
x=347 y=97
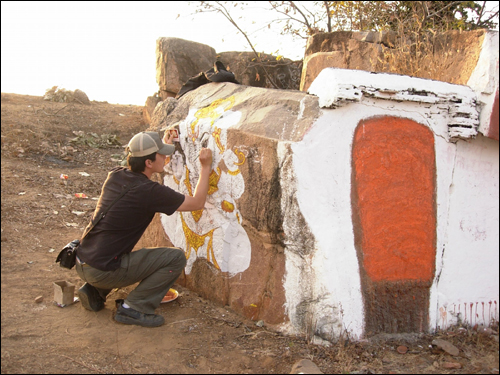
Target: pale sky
x=107 y=49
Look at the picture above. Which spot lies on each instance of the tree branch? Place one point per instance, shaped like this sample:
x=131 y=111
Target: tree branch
x=443 y=8
x=303 y=15
x=226 y=14
x=329 y=24
x=288 y=17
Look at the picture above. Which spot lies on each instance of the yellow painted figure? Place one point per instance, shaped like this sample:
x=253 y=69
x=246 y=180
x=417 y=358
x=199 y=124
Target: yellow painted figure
x=216 y=229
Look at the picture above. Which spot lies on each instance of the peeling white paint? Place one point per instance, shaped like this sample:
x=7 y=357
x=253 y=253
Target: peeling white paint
x=467 y=195
x=484 y=79
x=301 y=109
x=337 y=87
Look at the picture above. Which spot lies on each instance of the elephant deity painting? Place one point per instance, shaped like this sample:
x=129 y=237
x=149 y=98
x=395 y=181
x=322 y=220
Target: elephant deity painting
x=215 y=232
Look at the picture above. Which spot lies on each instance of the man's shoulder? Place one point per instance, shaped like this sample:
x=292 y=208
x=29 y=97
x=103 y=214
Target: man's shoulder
x=127 y=174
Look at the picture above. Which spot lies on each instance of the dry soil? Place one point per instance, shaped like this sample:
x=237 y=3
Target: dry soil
x=43 y=140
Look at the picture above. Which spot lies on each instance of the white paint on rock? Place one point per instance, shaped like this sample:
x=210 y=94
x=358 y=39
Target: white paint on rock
x=322 y=279
x=220 y=229
x=323 y=194
x=467 y=268
x=484 y=78
x=467 y=204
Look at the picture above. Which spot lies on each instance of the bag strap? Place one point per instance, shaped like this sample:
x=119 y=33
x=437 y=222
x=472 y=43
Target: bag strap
x=104 y=212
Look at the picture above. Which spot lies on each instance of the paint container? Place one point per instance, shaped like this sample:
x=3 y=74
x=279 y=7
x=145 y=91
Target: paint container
x=174 y=129
x=64 y=293
x=171 y=295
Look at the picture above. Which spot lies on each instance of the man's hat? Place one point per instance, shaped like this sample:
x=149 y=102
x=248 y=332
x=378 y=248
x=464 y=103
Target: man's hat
x=145 y=143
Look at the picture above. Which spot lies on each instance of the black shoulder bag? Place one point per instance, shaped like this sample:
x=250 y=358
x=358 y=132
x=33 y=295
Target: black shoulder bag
x=67 y=256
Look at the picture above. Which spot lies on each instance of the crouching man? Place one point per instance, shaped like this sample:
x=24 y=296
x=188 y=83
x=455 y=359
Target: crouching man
x=105 y=259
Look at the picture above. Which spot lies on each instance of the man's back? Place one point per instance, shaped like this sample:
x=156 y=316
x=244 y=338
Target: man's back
x=122 y=227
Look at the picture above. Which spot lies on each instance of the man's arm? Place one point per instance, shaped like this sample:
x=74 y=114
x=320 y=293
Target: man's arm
x=197 y=201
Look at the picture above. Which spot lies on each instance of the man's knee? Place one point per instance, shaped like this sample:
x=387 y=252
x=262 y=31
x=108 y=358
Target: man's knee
x=180 y=257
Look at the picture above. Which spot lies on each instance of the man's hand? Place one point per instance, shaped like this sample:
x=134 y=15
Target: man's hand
x=197 y=201
x=169 y=139
x=206 y=157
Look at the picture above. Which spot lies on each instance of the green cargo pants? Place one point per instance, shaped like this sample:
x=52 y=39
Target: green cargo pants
x=156 y=270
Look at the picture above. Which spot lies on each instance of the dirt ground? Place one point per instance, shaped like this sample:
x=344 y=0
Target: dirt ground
x=40 y=214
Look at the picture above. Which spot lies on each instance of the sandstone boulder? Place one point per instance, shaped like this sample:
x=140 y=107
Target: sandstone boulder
x=177 y=60
x=357 y=56
x=149 y=107
x=339 y=40
x=455 y=55
x=346 y=50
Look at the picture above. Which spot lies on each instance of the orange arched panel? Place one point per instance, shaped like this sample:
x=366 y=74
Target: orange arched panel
x=394 y=186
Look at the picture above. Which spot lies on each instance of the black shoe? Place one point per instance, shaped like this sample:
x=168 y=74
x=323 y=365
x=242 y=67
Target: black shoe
x=131 y=316
x=90 y=298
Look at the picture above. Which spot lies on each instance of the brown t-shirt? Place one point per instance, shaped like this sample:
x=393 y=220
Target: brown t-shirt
x=121 y=228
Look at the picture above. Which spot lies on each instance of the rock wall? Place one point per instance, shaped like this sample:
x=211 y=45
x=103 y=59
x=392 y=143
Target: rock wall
x=353 y=207
x=464 y=58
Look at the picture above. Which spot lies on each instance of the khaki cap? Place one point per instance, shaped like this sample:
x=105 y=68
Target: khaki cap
x=145 y=143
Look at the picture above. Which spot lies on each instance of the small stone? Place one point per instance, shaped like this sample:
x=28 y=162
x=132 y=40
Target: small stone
x=446 y=346
x=402 y=349
x=305 y=366
x=385 y=361
x=451 y=365
x=39 y=299
x=260 y=323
